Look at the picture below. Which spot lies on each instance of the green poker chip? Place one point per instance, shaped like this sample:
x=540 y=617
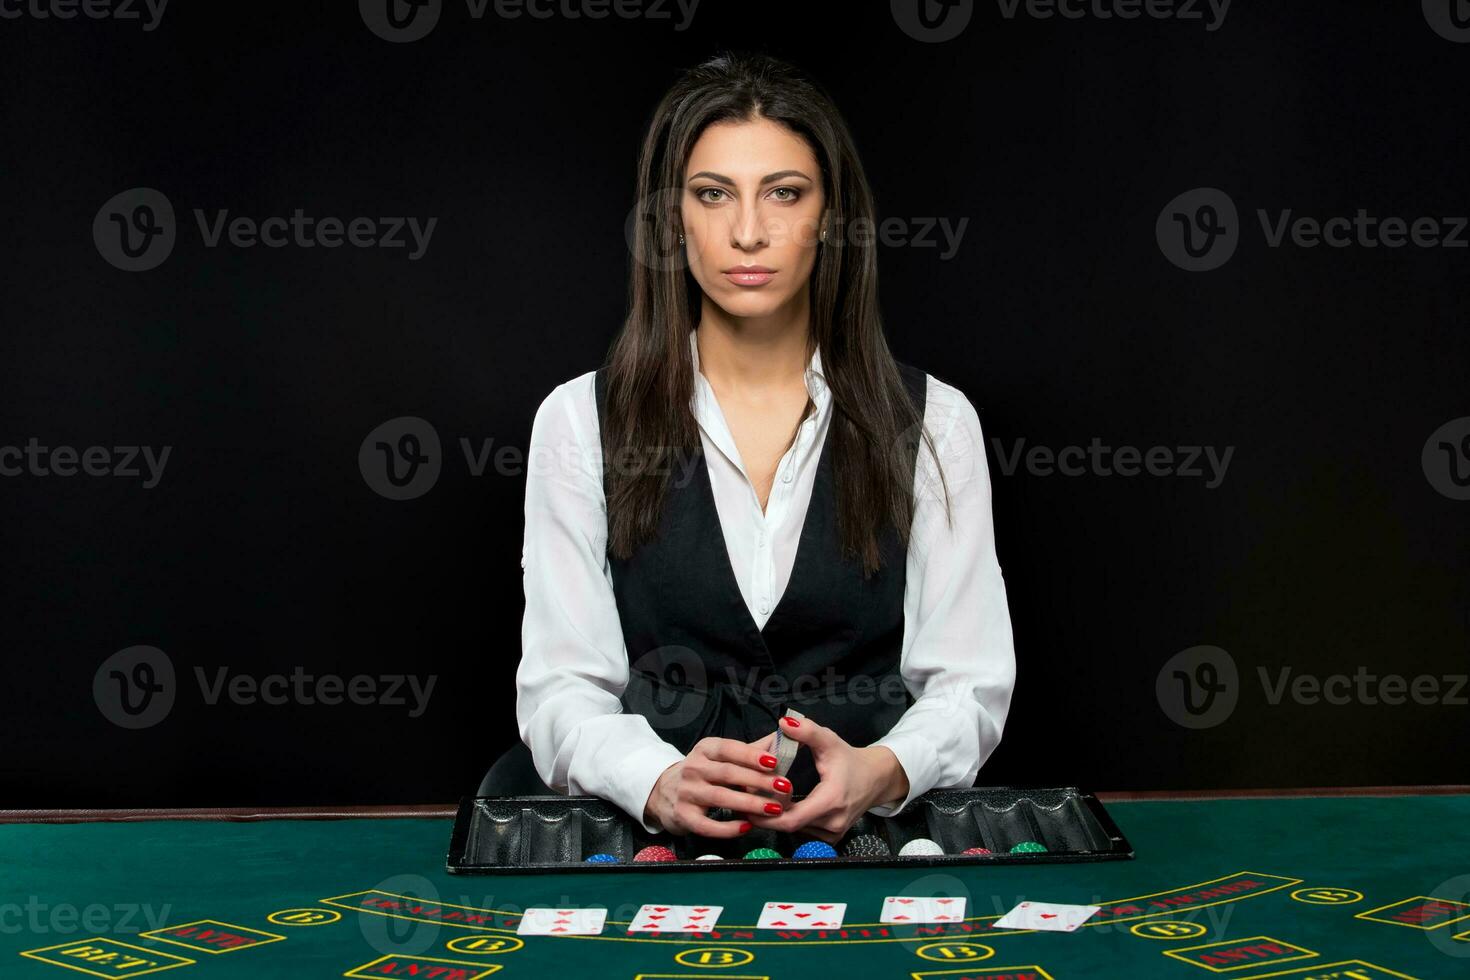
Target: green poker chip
x=761 y=854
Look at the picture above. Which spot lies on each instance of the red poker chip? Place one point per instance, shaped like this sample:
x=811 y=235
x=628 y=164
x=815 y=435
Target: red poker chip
x=655 y=852
x=976 y=850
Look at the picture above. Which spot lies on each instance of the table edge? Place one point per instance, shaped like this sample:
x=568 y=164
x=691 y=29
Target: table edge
x=445 y=811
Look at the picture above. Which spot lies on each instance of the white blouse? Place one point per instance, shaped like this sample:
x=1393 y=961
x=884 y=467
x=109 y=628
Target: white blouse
x=957 y=659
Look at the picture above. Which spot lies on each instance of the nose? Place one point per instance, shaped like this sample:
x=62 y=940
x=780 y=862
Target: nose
x=748 y=230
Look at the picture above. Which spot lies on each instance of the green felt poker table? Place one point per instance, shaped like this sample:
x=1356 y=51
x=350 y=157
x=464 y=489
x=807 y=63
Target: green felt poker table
x=1353 y=886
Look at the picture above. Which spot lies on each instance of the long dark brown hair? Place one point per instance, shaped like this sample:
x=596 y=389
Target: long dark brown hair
x=647 y=424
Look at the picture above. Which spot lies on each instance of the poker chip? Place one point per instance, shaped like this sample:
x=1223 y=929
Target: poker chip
x=1028 y=847
x=815 y=849
x=867 y=845
x=761 y=854
x=920 y=847
x=709 y=857
x=976 y=850
x=655 y=852
x=602 y=859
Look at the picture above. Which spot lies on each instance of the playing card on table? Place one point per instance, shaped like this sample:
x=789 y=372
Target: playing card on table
x=1045 y=916
x=904 y=909
x=802 y=915
x=562 y=922
x=676 y=918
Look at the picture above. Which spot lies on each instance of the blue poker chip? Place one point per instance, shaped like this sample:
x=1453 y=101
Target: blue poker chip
x=602 y=859
x=815 y=849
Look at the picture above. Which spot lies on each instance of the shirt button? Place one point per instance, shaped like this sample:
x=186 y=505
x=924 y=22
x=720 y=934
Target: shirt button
x=765 y=608
x=786 y=477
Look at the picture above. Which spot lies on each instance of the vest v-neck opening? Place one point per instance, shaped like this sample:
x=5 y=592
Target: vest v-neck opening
x=802 y=544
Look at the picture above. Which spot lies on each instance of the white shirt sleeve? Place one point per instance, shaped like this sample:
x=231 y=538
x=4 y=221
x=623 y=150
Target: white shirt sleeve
x=574 y=664
x=958 y=659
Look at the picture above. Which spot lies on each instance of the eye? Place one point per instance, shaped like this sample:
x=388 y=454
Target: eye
x=792 y=191
x=700 y=194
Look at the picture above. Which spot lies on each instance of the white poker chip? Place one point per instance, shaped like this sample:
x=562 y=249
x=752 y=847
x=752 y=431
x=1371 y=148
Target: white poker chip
x=709 y=857
x=920 y=847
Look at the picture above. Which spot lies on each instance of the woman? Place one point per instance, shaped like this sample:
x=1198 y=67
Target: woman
x=752 y=507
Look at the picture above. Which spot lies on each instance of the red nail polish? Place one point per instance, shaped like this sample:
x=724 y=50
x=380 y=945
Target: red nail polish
x=782 y=785
x=745 y=826
x=773 y=809
x=769 y=761
x=791 y=721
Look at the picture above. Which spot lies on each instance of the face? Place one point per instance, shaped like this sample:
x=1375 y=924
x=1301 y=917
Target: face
x=752 y=210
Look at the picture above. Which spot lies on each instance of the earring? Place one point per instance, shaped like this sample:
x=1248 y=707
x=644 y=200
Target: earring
x=681 y=238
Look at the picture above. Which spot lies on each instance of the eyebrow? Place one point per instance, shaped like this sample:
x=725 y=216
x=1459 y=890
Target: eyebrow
x=767 y=179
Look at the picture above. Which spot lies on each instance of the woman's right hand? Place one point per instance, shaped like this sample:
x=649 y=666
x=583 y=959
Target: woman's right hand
x=718 y=772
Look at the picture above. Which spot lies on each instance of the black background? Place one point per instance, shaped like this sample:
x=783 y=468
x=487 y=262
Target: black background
x=1060 y=141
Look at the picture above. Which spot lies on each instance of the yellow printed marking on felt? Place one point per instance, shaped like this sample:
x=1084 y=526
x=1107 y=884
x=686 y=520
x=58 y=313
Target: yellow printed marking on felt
x=107 y=958
x=480 y=945
x=950 y=952
x=713 y=957
x=1168 y=929
x=1327 y=896
x=304 y=917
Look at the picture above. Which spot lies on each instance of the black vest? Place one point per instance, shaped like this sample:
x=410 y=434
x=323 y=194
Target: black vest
x=699 y=666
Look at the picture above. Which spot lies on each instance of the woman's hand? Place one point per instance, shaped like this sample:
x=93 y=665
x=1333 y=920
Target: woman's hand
x=851 y=781
x=718 y=772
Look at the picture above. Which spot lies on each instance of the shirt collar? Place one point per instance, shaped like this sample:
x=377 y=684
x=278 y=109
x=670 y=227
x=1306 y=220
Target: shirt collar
x=711 y=419
x=816 y=381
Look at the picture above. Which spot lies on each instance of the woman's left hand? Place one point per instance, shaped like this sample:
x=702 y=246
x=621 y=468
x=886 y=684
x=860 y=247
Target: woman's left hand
x=851 y=781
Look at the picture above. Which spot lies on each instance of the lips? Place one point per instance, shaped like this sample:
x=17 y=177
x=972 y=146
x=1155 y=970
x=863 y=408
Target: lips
x=749 y=275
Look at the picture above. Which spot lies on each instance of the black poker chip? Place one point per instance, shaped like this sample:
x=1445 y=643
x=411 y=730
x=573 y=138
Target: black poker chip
x=866 y=845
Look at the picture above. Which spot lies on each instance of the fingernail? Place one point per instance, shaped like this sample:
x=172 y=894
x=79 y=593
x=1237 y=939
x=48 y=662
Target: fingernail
x=769 y=761
x=773 y=808
x=745 y=826
x=791 y=721
x=782 y=785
